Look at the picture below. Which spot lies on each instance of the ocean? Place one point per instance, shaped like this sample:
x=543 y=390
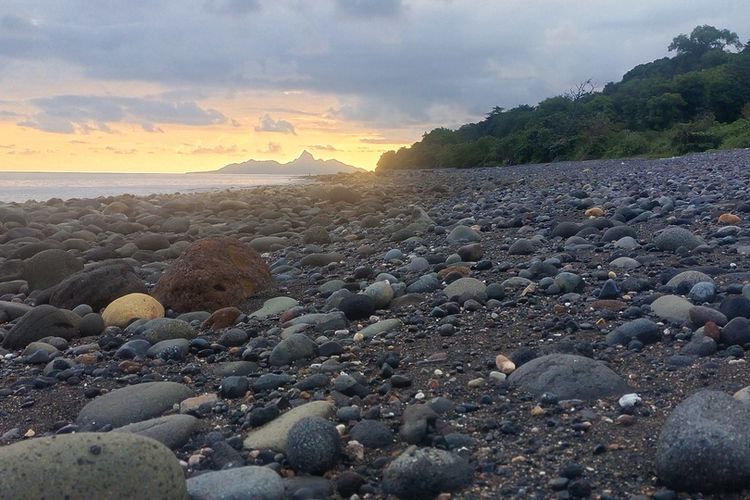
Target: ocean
x=41 y=186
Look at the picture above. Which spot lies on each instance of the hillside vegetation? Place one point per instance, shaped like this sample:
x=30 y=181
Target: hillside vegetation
x=697 y=100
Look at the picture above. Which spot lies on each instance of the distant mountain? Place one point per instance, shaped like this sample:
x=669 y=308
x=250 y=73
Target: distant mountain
x=306 y=164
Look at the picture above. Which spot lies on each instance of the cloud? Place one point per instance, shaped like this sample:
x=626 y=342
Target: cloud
x=268 y=124
x=382 y=140
x=216 y=150
x=370 y=8
x=321 y=147
x=273 y=148
x=416 y=64
x=84 y=114
x=232 y=7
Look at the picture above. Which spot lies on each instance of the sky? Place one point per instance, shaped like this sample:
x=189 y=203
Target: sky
x=184 y=85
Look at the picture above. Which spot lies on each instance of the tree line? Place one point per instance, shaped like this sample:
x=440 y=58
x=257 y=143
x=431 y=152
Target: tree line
x=697 y=100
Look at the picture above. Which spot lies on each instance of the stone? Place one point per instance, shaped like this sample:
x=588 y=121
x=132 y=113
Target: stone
x=700 y=315
x=343 y=194
x=152 y=241
x=424 y=284
x=617 y=232
x=569 y=377
x=422 y=473
x=14 y=310
x=296 y=346
x=274 y=307
x=176 y=349
x=569 y=282
x=91 y=325
x=672 y=238
x=273 y=435
x=159 y=329
x=382 y=326
x=372 y=434
x=471 y=253
x=49 y=267
x=125 y=309
x=736 y=332
x=97 y=285
x=699 y=345
x=704 y=446
x=320 y=259
x=729 y=219
x=357 y=306
x=672 y=308
x=42 y=321
x=91 y=465
x=313 y=445
x=251 y=481
x=133 y=403
x=735 y=306
x=172 y=431
x=463 y=234
x=641 y=329
x=565 y=229
x=522 y=246
x=213 y=273
x=466 y=288
x=684 y=281
x=221 y=318
x=626 y=263
x=702 y=292
x=234 y=386
x=381 y=293
x=609 y=290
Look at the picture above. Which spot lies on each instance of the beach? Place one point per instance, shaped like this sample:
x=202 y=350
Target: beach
x=531 y=331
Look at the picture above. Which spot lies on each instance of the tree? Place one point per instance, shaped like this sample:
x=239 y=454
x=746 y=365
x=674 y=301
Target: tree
x=705 y=38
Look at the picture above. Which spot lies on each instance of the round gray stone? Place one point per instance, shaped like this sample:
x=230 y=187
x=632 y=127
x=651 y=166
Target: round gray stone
x=313 y=445
x=422 y=473
x=704 y=445
x=239 y=483
x=568 y=377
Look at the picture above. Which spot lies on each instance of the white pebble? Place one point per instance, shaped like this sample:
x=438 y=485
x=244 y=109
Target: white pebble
x=629 y=400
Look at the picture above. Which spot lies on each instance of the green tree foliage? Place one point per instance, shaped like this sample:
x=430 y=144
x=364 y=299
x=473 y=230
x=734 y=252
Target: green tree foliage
x=697 y=100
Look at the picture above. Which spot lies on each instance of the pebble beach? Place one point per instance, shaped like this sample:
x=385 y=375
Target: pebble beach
x=567 y=330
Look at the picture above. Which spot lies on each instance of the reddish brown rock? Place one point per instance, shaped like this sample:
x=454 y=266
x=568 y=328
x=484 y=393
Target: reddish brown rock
x=223 y=318
x=211 y=274
x=462 y=270
x=612 y=305
x=711 y=329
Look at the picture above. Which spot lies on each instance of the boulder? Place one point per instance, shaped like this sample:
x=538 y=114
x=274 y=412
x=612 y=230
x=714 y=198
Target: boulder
x=97 y=285
x=213 y=273
x=49 y=267
x=40 y=322
x=132 y=306
x=91 y=465
x=704 y=445
x=568 y=377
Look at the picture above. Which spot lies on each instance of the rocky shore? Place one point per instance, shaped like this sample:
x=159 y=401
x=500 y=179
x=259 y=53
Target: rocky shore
x=570 y=330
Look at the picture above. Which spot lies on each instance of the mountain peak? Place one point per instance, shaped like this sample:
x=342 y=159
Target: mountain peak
x=305 y=156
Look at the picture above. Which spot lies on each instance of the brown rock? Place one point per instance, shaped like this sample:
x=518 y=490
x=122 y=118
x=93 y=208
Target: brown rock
x=711 y=329
x=223 y=318
x=462 y=270
x=211 y=274
x=128 y=366
x=728 y=219
x=594 y=212
x=612 y=305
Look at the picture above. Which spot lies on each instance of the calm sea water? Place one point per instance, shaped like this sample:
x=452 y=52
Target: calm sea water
x=41 y=186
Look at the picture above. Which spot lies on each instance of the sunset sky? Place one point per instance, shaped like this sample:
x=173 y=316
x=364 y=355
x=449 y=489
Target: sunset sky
x=173 y=86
